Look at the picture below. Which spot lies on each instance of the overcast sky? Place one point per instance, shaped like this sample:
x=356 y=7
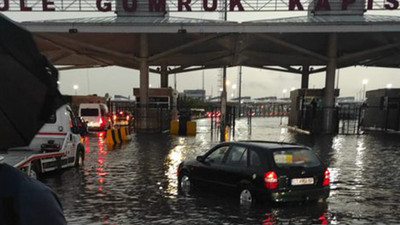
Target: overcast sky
x=255 y=82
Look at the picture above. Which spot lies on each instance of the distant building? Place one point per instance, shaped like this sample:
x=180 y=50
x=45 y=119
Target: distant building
x=345 y=99
x=266 y=99
x=244 y=99
x=197 y=94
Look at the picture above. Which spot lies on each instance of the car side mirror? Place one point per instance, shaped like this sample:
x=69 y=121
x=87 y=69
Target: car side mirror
x=200 y=158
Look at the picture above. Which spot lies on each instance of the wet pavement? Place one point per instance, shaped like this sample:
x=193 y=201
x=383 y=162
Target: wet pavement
x=136 y=183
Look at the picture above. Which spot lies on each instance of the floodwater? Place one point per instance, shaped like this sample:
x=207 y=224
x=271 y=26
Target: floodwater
x=136 y=183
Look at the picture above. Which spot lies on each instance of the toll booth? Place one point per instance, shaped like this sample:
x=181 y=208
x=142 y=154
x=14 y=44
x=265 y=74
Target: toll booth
x=307 y=109
x=159 y=110
x=382 y=109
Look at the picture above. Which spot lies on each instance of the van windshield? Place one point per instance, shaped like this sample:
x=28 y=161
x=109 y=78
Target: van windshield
x=295 y=158
x=89 y=112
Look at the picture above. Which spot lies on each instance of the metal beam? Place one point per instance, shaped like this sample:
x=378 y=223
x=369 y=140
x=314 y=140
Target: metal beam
x=86 y=46
x=285 y=70
x=273 y=58
x=77 y=67
x=181 y=47
x=73 y=51
x=351 y=58
x=293 y=47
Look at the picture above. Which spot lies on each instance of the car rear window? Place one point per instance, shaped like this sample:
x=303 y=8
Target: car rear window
x=89 y=112
x=295 y=158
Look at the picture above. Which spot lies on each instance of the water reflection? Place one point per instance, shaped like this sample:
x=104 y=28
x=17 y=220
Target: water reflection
x=135 y=183
x=173 y=159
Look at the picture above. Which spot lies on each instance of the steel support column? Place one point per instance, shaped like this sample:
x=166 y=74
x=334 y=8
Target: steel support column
x=305 y=75
x=164 y=76
x=329 y=93
x=223 y=106
x=144 y=70
x=142 y=124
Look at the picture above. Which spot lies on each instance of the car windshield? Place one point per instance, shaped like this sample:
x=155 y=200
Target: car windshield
x=287 y=158
x=89 y=112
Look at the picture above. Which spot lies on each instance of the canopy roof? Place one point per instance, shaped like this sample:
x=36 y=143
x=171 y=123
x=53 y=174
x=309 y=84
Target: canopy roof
x=191 y=44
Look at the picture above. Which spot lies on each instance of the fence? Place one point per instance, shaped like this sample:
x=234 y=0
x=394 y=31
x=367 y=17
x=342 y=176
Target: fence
x=152 y=120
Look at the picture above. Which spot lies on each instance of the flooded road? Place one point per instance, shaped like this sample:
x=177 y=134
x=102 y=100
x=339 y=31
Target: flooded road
x=136 y=183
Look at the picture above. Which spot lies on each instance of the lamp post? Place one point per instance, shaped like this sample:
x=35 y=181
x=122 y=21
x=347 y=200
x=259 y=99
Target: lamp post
x=234 y=86
x=76 y=87
x=364 y=83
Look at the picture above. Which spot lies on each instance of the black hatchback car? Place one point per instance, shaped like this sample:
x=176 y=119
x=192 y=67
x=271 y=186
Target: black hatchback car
x=258 y=170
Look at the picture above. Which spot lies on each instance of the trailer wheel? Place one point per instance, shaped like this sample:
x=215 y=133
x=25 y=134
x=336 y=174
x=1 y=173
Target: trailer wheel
x=80 y=156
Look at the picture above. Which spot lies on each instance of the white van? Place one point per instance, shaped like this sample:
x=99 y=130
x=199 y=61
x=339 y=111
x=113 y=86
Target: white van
x=57 y=145
x=96 y=115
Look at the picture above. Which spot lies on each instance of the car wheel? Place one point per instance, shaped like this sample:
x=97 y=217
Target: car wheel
x=80 y=157
x=34 y=171
x=246 y=197
x=186 y=185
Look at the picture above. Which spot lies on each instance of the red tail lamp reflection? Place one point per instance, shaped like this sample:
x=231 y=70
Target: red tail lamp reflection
x=269 y=220
x=323 y=219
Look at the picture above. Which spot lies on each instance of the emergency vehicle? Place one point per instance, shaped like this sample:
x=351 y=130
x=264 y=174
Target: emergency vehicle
x=56 y=146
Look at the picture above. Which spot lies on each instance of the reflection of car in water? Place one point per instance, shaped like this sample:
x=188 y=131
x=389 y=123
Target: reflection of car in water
x=256 y=170
x=96 y=115
x=57 y=145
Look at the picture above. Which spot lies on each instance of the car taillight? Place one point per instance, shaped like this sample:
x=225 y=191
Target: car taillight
x=326 y=178
x=101 y=121
x=271 y=180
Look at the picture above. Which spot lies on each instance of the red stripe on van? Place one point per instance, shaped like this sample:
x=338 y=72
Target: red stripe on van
x=52 y=133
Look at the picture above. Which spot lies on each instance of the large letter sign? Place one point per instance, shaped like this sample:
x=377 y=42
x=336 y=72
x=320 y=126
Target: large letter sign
x=5 y=6
x=212 y=8
x=294 y=3
x=106 y=7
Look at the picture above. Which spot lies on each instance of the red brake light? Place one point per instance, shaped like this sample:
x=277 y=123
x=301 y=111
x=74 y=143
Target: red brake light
x=101 y=121
x=326 y=178
x=271 y=180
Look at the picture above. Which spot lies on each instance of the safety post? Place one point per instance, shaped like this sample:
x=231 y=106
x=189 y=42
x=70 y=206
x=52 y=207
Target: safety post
x=191 y=127
x=125 y=134
x=174 y=127
x=110 y=140
x=227 y=129
x=117 y=136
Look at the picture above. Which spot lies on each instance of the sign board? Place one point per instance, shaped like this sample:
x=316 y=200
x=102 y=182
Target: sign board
x=194 y=5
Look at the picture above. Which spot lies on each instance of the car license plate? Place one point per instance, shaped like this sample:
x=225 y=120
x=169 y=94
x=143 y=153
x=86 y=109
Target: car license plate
x=302 y=181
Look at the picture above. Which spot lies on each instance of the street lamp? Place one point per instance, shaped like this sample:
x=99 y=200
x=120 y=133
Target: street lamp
x=388 y=86
x=234 y=86
x=76 y=87
x=284 y=92
x=364 y=82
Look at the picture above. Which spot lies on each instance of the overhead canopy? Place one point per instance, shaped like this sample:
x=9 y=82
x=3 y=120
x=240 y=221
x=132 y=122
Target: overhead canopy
x=191 y=44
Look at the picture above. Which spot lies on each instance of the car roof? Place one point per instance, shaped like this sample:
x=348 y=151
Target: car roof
x=271 y=145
